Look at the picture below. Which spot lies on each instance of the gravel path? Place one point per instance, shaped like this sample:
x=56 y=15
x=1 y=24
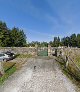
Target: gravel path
x=39 y=75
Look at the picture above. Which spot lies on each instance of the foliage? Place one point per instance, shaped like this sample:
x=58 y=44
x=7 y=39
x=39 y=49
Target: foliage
x=11 y=37
x=18 y=37
x=72 y=41
x=56 y=42
x=3 y=26
x=23 y=56
x=15 y=37
x=78 y=40
x=40 y=44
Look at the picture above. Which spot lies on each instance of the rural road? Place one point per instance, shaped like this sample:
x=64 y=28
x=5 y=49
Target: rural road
x=46 y=77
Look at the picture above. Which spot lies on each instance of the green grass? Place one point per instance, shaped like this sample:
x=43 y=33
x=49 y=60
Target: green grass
x=77 y=60
x=23 y=56
x=9 y=69
x=7 y=74
x=67 y=71
x=8 y=65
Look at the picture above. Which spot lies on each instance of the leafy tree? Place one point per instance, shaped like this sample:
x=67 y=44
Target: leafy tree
x=5 y=40
x=18 y=37
x=44 y=44
x=4 y=35
x=51 y=43
x=40 y=44
x=3 y=26
x=66 y=41
x=73 y=40
x=56 y=41
x=78 y=40
x=14 y=37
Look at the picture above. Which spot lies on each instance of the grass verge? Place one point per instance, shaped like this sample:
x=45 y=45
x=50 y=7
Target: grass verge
x=9 y=69
x=23 y=56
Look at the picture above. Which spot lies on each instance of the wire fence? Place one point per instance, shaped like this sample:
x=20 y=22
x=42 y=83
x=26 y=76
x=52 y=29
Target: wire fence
x=71 y=62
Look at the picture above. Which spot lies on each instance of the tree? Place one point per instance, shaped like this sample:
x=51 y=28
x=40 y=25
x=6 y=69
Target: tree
x=66 y=41
x=18 y=37
x=22 y=38
x=56 y=41
x=5 y=40
x=4 y=35
x=73 y=40
x=14 y=37
x=78 y=40
x=3 y=26
x=44 y=44
x=51 y=43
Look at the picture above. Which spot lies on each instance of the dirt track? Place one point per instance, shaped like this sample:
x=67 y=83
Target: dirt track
x=46 y=77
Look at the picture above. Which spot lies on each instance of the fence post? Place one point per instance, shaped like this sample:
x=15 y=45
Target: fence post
x=1 y=68
x=36 y=50
x=67 y=61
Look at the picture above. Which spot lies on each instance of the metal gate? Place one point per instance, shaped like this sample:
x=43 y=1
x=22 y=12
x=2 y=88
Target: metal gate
x=42 y=51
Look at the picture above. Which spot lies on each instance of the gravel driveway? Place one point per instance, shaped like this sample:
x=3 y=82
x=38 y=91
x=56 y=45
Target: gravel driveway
x=39 y=75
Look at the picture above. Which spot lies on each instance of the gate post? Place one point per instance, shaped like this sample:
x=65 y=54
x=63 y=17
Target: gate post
x=49 y=50
x=36 y=50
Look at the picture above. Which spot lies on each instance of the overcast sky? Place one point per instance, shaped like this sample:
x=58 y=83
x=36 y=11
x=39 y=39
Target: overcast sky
x=42 y=19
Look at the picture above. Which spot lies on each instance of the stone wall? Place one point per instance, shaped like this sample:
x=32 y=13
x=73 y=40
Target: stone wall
x=24 y=50
x=19 y=50
x=33 y=50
